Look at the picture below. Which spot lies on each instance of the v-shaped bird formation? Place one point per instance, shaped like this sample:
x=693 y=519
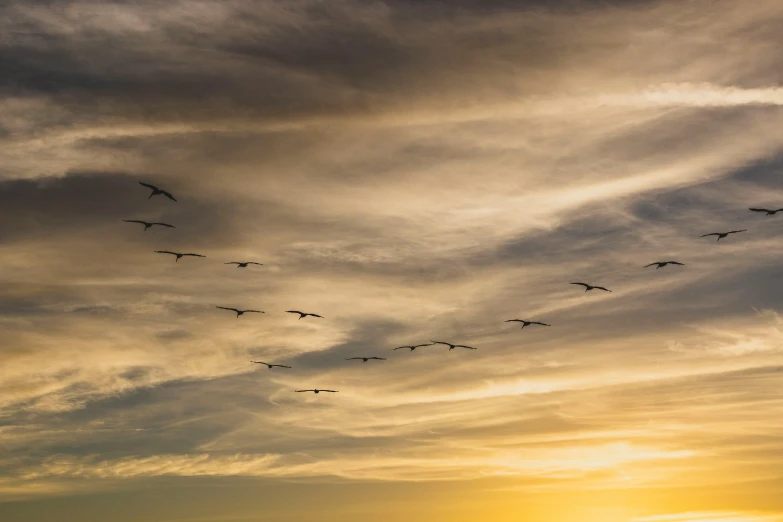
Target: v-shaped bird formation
x=156 y=191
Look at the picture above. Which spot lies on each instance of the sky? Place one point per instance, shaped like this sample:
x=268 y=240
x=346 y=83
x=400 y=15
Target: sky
x=411 y=170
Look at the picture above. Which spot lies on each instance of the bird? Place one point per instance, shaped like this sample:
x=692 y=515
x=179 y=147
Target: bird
x=177 y=254
x=662 y=264
x=239 y=312
x=316 y=391
x=769 y=212
x=526 y=323
x=365 y=359
x=412 y=347
x=243 y=264
x=156 y=191
x=722 y=235
x=302 y=315
x=452 y=346
x=147 y=224
x=270 y=366
x=591 y=287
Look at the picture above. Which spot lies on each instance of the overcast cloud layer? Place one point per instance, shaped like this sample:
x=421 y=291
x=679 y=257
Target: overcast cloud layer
x=410 y=170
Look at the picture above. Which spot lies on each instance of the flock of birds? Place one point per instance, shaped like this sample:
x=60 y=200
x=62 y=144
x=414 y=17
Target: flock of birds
x=156 y=191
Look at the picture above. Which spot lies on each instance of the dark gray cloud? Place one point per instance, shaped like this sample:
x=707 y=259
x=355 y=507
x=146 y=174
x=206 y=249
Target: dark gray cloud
x=82 y=203
x=313 y=59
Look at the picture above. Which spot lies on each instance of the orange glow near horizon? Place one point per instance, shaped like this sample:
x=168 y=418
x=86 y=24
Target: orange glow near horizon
x=499 y=219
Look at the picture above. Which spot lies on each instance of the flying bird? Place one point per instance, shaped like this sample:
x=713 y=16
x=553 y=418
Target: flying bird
x=365 y=359
x=239 y=312
x=156 y=191
x=412 y=347
x=302 y=315
x=452 y=346
x=177 y=254
x=244 y=264
x=722 y=235
x=526 y=323
x=591 y=287
x=769 y=212
x=147 y=224
x=270 y=366
x=662 y=264
x=316 y=391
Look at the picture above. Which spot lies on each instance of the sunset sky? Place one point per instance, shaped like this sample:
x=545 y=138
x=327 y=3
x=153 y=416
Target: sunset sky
x=412 y=170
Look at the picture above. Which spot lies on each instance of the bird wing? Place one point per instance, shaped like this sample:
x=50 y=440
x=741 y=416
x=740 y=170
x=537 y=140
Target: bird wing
x=759 y=210
x=737 y=231
x=463 y=346
x=330 y=391
x=257 y=362
x=514 y=321
x=542 y=324
x=581 y=284
x=651 y=264
x=254 y=263
x=420 y=345
x=378 y=358
x=134 y=221
x=280 y=365
x=232 y=263
x=194 y=255
x=153 y=187
x=442 y=342
x=161 y=224
x=602 y=288
x=256 y=311
x=299 y=391
x=224 y=308
x=778 y=210
x=675 y=263
x=166 y=252
x=293 y=312
x=713 y=234
x=400 y=348
x=351 y=358
x=168 y=195
x=315 y=315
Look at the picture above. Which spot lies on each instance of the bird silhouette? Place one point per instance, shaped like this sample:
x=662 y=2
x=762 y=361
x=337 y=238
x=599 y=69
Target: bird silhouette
x=365 y=359
x=316 y=391
x=270 y=366
x=769 y=212
x=243 y=264
x=526 y=323
x=412 y=347
x=591 y=287
x=722 y=235
x=239 y=312
x=177 y=254
x=148 y=224
x=452 y=346
x=302 y=315
x=156 y=191
x=662 y=264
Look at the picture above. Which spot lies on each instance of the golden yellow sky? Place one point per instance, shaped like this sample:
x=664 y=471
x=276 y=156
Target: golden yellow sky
x=410 y=170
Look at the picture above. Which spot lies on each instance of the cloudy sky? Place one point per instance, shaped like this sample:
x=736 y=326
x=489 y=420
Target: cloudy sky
x=411 y=170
